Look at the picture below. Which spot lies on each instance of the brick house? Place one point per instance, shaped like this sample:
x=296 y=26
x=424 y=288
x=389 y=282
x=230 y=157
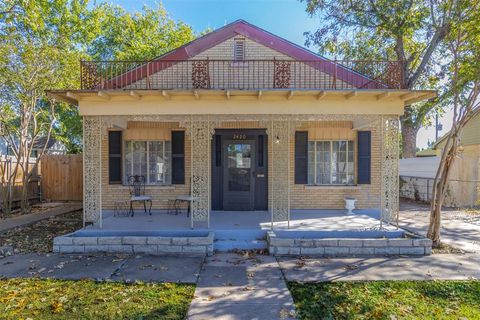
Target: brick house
x=242 y=121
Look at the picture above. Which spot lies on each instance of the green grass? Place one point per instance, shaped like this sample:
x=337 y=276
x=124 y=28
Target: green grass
x=56 y=299
x=387 y=300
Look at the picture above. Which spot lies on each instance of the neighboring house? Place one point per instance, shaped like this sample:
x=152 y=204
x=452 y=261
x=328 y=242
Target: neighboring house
x=53 y=147
x=417 y=174
x=242 y=120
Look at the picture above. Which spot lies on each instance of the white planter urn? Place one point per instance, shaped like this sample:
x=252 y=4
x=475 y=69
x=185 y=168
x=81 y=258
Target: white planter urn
x=350 y=204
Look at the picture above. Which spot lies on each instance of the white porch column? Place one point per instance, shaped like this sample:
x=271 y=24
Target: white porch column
x=279 y=132
x=390 y=182
x=92 y=169
x=199 y=130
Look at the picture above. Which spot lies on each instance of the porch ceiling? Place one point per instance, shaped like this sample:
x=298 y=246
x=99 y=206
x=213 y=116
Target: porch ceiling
x=406 y=96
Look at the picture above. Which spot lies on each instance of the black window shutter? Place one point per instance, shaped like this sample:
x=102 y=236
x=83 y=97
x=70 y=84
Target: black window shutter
x=115 y=157
x=364 y=157
x=301 y=157
x=178 y=157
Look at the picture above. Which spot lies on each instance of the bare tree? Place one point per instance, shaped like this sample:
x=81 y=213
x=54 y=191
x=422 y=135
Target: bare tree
x=464 y=89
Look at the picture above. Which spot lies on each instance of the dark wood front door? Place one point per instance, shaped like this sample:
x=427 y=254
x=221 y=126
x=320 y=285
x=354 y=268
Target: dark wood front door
x=239 y=170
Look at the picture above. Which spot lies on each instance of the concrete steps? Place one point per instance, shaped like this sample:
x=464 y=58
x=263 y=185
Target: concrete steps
x=228 y=240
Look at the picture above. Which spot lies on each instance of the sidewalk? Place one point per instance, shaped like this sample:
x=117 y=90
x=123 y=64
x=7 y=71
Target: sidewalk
x=434 y=267
x=455 y=232
x=232 y=286
x=28 y=219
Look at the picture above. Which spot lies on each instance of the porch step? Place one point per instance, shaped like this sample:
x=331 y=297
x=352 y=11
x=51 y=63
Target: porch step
x=227 y=240
x=229 y=245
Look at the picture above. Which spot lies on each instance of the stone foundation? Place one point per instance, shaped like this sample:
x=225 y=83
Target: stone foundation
x=348 y=247
x=152 y=245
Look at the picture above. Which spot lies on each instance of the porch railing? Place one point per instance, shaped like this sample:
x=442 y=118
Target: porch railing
x=238 y=75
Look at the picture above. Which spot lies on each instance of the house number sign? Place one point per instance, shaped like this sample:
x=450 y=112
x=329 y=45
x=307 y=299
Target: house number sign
x=239 y=136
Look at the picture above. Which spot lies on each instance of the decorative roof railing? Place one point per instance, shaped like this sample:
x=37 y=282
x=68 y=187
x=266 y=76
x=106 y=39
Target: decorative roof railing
x=241 y=75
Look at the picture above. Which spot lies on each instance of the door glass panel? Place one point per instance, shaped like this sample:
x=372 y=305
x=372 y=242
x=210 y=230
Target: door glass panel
x=239 y=166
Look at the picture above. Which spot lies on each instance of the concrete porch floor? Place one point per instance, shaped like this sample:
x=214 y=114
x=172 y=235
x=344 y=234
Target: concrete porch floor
x=311 y=220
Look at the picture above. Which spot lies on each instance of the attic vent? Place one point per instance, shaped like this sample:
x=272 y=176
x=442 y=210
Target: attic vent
x=239 y=50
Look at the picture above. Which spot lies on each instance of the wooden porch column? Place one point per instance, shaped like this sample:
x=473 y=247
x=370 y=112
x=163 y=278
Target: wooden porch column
x=390 y=182
x=92 y=169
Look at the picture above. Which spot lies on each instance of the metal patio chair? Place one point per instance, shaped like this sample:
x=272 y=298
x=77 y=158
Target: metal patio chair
x=136 y=185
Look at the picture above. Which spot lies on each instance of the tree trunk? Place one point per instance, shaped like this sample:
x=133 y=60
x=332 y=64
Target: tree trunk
x=409 y=140
x=24 y=202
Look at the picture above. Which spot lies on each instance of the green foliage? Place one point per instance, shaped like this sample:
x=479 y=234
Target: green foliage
x=43 y=42
x=57 y=299
x=387 y=300
x=136 y=36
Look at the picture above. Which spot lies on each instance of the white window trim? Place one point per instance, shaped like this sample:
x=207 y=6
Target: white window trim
x=314 y=182
x=147 y=176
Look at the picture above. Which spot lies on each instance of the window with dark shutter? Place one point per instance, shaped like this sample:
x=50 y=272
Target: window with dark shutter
x=178 y=157
x=364 y=157
x=301 y=157
x=115 y=157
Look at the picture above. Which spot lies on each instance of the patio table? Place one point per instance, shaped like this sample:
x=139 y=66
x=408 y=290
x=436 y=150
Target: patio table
x=183 y=199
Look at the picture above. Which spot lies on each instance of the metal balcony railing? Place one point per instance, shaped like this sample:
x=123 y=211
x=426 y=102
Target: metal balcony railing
x=241 y=75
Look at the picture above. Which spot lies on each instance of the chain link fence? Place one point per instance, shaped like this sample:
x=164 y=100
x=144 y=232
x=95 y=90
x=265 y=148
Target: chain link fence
x=460 y=193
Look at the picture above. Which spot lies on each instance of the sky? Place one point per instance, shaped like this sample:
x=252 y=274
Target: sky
x=285 y=18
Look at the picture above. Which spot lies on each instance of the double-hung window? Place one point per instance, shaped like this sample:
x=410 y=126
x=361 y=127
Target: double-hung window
x=331 y=162
x=151 y=159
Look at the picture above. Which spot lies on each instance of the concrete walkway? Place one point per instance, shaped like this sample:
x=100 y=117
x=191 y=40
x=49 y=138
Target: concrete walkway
x=27 y=219
x=180 y=269
x=438 y=266
x=455 y=232
x=231 y=286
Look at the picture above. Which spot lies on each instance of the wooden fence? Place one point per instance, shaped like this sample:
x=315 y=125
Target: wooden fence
x=62 y=177
x=8 y=164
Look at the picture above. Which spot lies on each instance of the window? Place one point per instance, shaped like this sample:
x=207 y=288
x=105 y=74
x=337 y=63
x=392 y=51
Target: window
x=330 y=162
x=239 y=50
x=150 y=159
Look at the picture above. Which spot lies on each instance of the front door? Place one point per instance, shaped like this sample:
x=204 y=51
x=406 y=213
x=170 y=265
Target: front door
x=238 y=186
x=239 y=170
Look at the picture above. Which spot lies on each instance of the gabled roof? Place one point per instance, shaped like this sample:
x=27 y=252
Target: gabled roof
x=259 y=35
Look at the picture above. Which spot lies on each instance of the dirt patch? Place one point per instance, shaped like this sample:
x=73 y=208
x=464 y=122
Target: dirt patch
x=38 y=237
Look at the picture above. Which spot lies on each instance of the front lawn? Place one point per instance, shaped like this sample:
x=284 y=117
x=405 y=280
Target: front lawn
x=56 y=299
x=387 y=300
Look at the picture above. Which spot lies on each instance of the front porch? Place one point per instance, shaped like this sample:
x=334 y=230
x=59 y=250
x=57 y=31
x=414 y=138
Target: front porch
x=300 y=220
x=279 y=175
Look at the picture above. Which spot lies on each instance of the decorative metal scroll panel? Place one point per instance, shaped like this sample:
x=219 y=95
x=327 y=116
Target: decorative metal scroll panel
x=390 y=142
x=200 y=134
x=282 y=74
x=200 y=75
x=280 y=132
x=92 y=152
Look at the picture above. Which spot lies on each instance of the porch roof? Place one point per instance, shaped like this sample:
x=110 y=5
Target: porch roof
x=407 y=97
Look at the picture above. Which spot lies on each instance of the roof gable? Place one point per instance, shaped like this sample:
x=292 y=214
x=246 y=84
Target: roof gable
x=263 y=37
x=240 y=27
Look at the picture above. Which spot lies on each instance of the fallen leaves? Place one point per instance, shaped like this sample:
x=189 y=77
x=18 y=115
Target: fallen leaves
x=38 y=237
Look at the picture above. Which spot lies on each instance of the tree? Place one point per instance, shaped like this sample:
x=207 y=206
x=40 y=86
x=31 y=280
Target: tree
x=463 y=44
x=40 y=51
x=404 y=30
x=138 y=36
